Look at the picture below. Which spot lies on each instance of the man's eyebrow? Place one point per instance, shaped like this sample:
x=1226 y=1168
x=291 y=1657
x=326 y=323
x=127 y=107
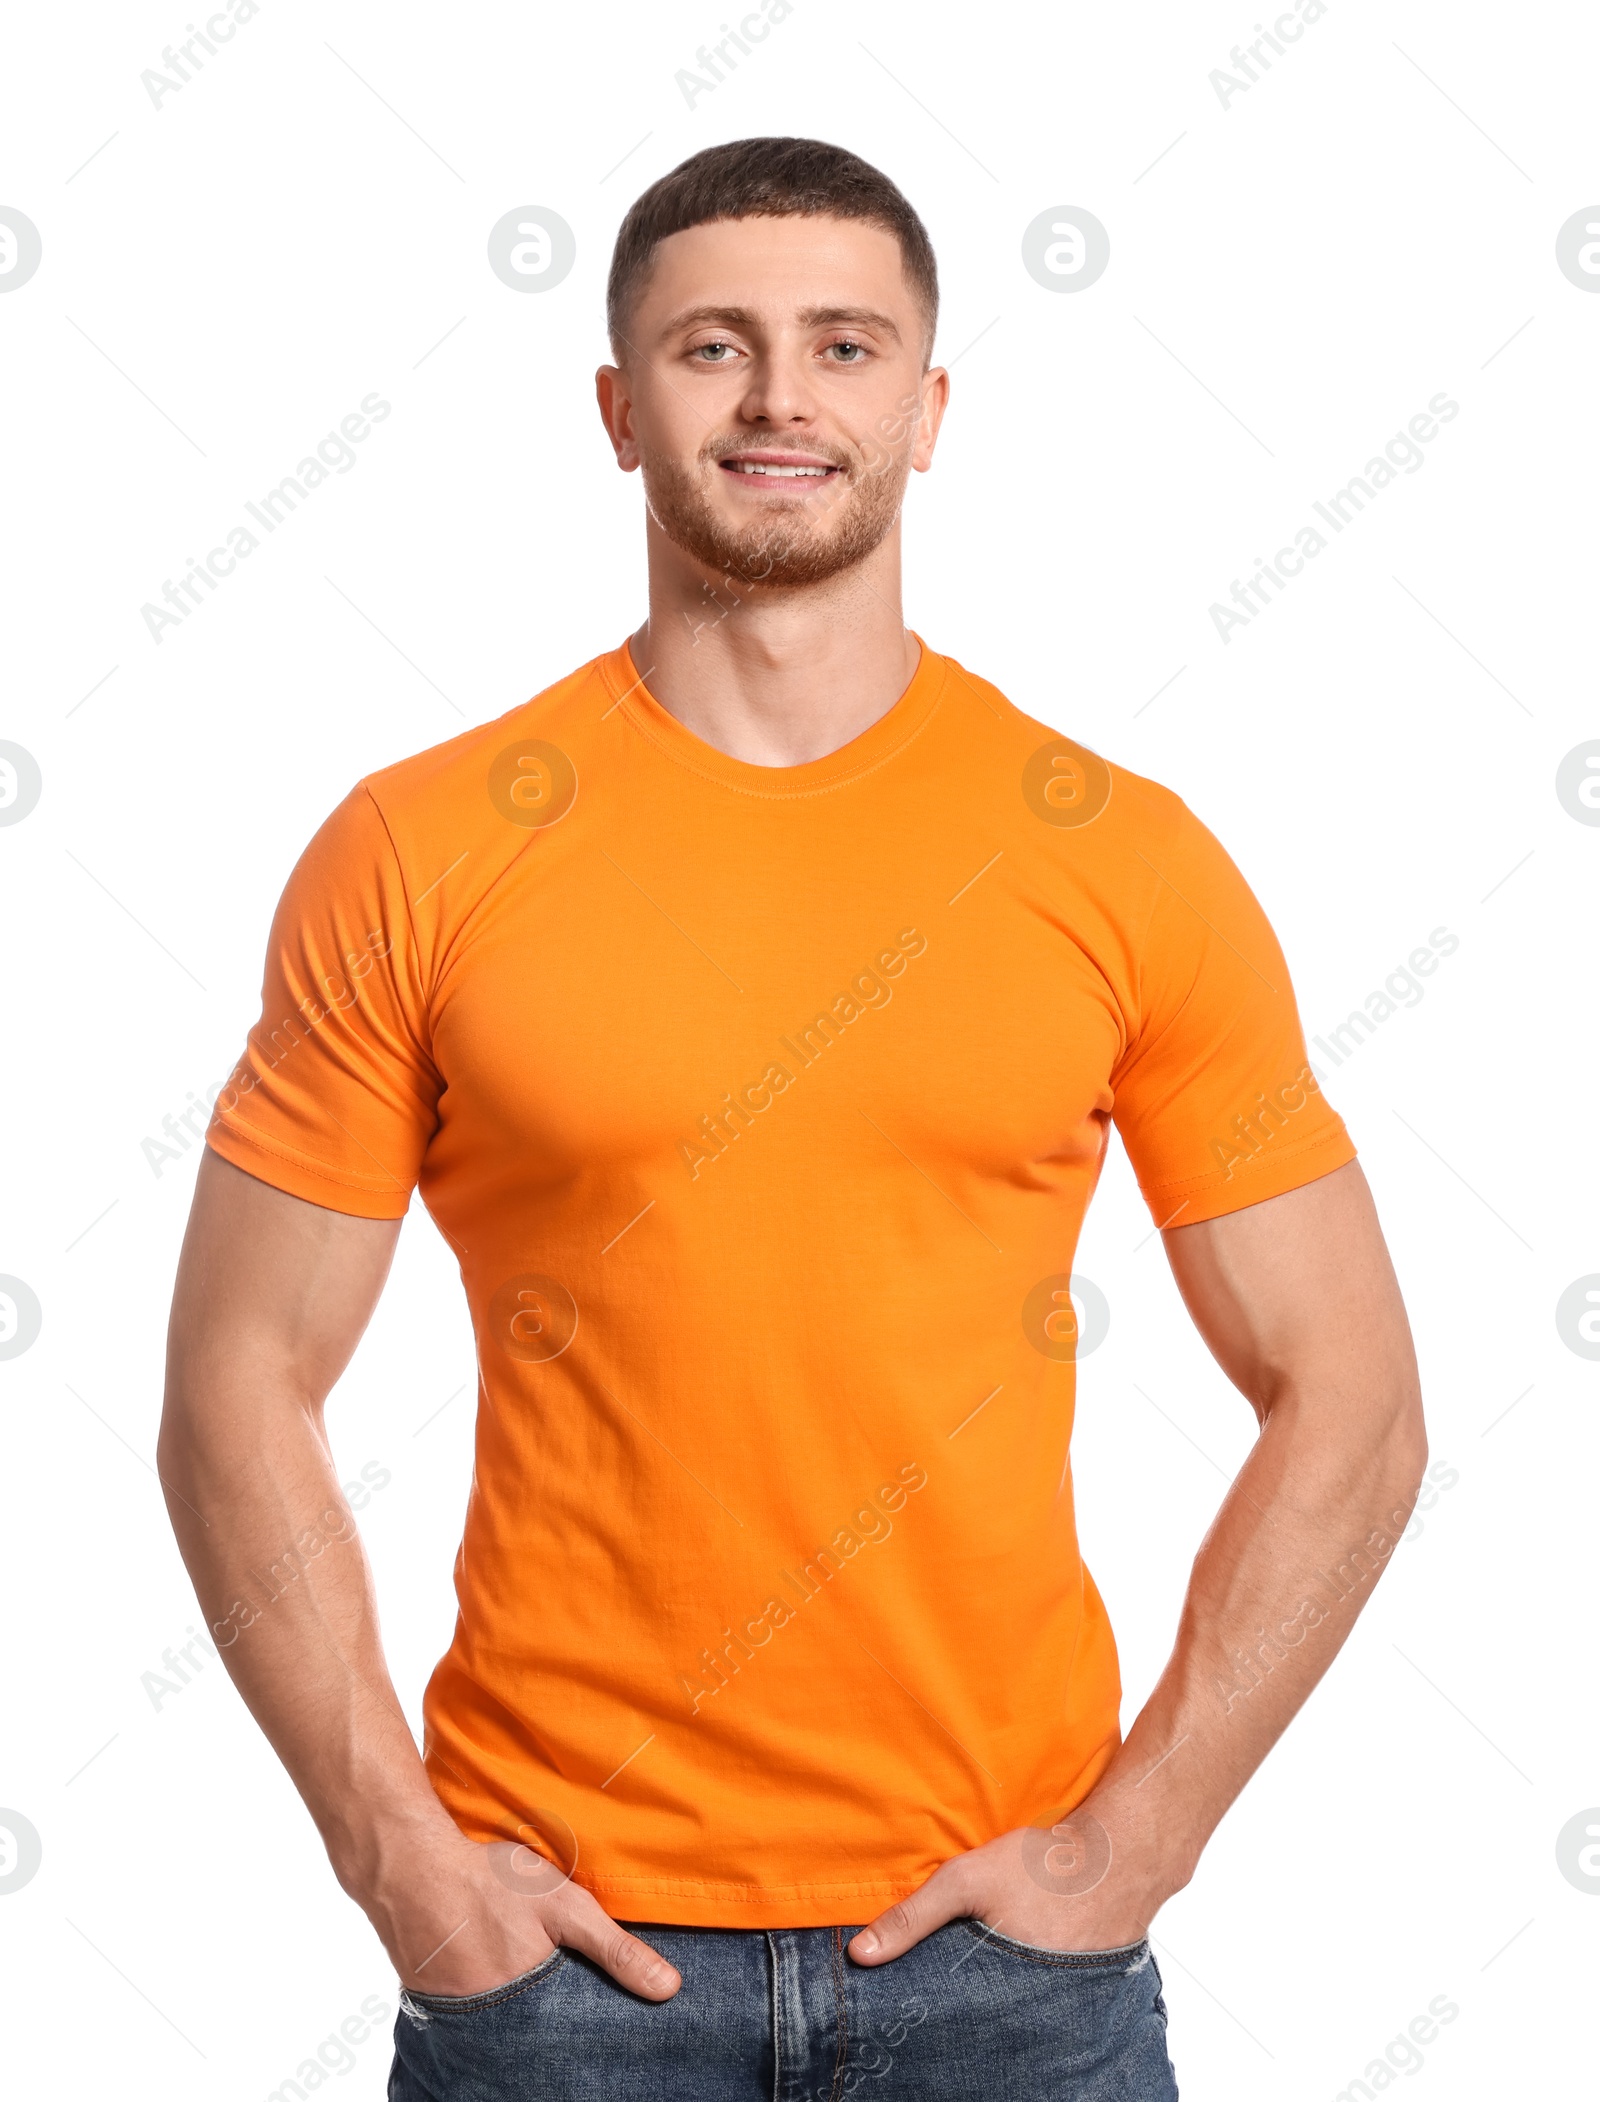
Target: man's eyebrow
x=857 y=317
x=808 y=317
x=696 y=317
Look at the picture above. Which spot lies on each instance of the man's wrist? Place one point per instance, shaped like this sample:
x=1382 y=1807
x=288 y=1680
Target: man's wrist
x=370 y=1849
x=1154 y=1851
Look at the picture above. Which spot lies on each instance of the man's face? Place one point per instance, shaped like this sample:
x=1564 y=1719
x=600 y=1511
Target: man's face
x=772 y=392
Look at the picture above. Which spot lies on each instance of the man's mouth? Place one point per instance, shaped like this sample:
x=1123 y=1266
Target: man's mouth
x=783 y=467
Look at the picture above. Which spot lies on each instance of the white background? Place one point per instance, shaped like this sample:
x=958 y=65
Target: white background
x=225 y=277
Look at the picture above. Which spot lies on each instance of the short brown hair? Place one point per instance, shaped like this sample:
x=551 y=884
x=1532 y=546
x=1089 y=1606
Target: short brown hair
x=766 y=179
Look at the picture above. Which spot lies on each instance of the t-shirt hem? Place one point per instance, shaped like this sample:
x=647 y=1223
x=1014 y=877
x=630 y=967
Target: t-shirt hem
x=674 y=1904
x=1270 y=1173
x=297 y=1177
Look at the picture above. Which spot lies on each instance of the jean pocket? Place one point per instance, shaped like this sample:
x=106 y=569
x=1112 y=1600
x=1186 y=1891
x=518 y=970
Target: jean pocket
x=422 y=2006
x=1133 y=1956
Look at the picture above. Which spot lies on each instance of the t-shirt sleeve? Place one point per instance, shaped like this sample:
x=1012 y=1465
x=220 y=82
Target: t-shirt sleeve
x=1215 y=1097
x=335 y=1098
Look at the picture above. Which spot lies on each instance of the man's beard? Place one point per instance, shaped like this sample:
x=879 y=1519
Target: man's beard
x=791 y=544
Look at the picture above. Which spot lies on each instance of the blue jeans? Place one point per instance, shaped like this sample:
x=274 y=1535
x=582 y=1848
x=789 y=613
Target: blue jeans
x=967 y=2015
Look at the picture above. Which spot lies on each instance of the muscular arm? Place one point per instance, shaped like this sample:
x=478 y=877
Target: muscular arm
x=272 y=1297
x=1298 y=1303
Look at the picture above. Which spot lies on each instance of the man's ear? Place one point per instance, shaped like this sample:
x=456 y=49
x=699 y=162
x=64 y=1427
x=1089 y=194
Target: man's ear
x=935 y=400
x=616 y=413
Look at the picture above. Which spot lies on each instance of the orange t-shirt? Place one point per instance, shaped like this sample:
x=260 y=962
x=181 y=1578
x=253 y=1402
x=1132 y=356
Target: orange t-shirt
x=761 y=1106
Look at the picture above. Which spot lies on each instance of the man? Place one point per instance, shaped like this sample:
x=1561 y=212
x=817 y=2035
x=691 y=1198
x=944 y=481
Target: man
x=752 y=1008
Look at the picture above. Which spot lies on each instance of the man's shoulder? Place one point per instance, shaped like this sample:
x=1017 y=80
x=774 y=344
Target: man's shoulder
x=445 y=780
x=1064 y=775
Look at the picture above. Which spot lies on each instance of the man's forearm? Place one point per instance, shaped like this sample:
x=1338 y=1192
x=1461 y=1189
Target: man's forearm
x=271 y=1545
x=1300 y=1540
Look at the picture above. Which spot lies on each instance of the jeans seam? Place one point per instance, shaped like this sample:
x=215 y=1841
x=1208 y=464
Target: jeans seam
x=777 y=2016
x=471 y=2003
x=842 y=2055
x=1054 y=1959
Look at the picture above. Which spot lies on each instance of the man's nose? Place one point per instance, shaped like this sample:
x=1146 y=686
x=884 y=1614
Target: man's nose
x=779 y=390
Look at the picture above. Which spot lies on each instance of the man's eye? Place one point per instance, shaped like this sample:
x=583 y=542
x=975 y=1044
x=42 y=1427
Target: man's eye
x=715 y=353
x=849 y=353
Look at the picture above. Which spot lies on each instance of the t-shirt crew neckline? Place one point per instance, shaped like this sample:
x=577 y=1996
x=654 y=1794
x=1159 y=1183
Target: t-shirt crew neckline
x=880 y=741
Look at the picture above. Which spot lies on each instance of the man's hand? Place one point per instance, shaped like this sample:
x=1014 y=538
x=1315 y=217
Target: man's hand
x=459 y=1918
x=1073 y=1886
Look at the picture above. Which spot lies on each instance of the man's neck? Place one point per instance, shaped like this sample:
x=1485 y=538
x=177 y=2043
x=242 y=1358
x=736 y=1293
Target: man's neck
x=776 y=678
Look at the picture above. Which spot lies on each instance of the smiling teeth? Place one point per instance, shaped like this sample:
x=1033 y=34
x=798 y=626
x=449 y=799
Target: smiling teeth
x=757 y=467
